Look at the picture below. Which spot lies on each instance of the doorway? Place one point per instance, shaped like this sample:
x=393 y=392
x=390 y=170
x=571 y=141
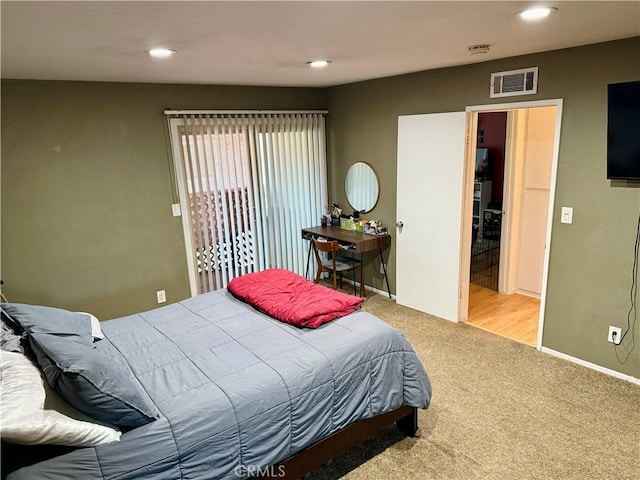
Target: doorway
x=509 y=247
x=435 y=171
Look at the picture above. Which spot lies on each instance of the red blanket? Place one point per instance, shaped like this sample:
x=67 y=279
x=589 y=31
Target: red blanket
x=291 y=298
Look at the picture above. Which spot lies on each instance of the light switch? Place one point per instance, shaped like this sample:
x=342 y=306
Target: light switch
x=567 y=215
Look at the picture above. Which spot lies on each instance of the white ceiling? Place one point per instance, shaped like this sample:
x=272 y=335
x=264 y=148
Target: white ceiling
x=269 y=43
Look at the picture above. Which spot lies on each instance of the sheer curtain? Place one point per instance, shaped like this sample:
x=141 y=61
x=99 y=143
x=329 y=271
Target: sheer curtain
x=248 y=183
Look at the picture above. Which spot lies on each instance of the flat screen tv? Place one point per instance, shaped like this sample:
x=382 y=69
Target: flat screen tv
x=623 y=130
x=482 y=163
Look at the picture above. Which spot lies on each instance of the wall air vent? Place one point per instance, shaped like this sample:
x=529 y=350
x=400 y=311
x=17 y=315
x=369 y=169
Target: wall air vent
x=514 y=82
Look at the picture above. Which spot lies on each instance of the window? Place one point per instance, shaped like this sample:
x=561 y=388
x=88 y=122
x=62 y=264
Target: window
x=248 y=184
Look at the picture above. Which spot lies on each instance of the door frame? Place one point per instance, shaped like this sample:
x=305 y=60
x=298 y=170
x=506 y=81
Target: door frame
x=467 y=203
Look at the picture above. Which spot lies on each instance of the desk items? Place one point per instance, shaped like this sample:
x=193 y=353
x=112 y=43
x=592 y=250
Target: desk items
x=374 y=227
x=332 y=217
x=347 y=223
x=356 y=224
x=335 y=218
x=371 y=227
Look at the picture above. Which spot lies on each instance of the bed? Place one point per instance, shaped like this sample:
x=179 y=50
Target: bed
x=231 y=393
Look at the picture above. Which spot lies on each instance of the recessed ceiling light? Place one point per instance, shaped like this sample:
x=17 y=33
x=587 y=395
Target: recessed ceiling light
x=536 y=13
x=161 y=52
x=319 y=63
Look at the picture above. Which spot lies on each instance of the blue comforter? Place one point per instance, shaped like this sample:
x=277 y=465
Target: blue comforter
x=239 y=390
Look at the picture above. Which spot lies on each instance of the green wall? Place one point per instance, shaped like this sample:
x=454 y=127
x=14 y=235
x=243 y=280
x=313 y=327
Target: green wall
x=591 y=260
x=87 y=190
x=86 y=185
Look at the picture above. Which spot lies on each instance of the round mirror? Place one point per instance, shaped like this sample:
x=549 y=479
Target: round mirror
x=361 y=187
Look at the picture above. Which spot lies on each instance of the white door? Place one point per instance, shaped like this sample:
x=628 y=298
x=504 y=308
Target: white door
x=431 y=151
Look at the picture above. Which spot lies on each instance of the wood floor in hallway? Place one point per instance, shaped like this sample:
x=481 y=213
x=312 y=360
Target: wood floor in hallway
x=513 y=316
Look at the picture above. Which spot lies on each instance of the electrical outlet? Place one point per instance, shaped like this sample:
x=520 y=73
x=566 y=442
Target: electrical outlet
x=162 y=296
x=175 y=209
x=382 y=269
x=615 y=335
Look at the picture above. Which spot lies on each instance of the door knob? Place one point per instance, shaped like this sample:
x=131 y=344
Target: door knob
x=399 y=224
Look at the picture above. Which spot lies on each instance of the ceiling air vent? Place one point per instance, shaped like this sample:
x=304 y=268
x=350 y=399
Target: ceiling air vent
x=514 y=82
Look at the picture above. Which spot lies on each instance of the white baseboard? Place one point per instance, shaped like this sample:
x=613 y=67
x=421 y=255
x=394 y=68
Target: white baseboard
x=527 y=293
x=592 y=366
x=384 y=293
x=368 y=288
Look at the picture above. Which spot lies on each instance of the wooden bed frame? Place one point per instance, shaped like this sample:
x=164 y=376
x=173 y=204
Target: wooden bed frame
x=294 y=467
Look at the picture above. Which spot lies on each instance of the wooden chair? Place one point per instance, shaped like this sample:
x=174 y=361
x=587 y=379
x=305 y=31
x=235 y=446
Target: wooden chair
x=335 y=265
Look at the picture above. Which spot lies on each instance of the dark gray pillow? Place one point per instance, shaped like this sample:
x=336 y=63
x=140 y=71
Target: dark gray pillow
x=91 y=382
x=9 y=340
x=36 y=318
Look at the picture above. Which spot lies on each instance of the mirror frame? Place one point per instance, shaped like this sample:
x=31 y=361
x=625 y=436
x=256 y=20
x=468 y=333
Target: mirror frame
x=377 y=186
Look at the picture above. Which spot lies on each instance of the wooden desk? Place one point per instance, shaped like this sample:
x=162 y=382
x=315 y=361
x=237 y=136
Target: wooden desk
x=355 y=242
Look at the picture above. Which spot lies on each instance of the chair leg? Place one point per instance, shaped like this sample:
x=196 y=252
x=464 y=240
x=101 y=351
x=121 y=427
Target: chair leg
x=318 y=275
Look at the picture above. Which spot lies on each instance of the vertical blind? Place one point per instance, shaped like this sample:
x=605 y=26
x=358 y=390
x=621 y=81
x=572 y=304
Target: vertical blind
x=249 y=183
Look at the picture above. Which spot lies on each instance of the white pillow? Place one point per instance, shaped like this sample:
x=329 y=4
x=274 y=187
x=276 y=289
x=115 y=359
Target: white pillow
x=96 y=331
x=32 y=413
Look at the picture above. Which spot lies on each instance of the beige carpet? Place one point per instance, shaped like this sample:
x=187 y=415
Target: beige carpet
x=500 y=410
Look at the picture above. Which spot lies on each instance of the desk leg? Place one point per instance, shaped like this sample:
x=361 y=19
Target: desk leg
x=384 y=267
x=363 y=290
x=306 y=270
x=353 y=271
